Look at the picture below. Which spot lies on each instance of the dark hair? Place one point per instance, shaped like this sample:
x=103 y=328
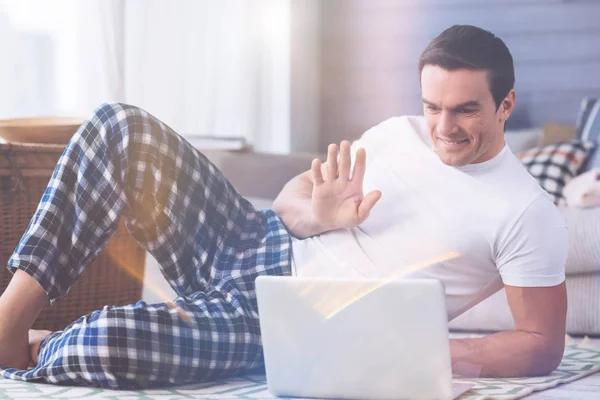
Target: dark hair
x=470 y=47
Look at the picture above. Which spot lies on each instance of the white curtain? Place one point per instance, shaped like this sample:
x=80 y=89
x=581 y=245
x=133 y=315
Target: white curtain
x=99 y=54
x=208 y=67
x=35 y=38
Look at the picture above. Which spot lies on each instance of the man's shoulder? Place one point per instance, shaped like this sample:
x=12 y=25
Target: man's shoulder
x=530 y=213
x=516 y=196
x=516 y=183
x=395 y=128
x=403 y=122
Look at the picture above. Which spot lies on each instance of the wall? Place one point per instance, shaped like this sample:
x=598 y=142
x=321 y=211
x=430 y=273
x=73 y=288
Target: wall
x=369 y=53
x=305 y=71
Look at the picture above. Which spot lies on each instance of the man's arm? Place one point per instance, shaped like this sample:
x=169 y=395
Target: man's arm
x=536 y=345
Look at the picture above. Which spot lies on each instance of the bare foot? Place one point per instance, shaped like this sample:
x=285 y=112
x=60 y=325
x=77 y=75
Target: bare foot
x=36 y=337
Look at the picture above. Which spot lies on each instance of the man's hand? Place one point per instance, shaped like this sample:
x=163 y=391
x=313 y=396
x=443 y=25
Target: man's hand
x=326 y=197
x=337 y=195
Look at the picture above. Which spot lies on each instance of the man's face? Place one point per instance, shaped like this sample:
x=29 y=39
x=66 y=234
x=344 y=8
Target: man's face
x=464 y=125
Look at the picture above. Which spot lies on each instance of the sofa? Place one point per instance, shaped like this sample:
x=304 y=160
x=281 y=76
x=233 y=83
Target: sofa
x=260 y=176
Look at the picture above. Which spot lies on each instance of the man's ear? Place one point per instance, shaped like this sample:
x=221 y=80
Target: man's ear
x=507 y=106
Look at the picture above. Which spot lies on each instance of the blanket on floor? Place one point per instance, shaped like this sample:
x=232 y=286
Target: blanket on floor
x=579 y=360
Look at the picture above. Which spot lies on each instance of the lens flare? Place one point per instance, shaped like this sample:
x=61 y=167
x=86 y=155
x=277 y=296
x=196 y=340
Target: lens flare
x=328 y=307
x=111 y=253
x=334 y=306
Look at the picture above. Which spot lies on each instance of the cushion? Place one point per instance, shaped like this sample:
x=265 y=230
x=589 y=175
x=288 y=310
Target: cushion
x=555 y=133
x=556 y=164
x=583 y=191
x=519 y=140
x=588 y=128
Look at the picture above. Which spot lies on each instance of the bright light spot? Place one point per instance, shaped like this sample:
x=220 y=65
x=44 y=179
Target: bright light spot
x=328 y=307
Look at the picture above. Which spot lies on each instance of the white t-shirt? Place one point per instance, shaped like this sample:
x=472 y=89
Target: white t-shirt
x=473 y=227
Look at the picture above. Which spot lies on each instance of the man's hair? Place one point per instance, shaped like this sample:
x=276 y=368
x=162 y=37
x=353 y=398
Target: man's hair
x=470 y=47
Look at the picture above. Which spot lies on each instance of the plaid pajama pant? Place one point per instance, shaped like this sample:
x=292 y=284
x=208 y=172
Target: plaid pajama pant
x=210 y=244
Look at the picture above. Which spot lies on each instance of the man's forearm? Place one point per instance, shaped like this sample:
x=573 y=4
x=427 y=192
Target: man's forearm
x=505 y=354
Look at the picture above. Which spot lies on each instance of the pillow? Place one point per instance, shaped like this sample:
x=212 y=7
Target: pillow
x=583 y=191
x=519 y=140
x=555 y=165
x=556 y=133
x=588 y=128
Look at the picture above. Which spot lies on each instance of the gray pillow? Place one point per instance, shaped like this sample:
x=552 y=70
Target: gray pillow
x=522 y=139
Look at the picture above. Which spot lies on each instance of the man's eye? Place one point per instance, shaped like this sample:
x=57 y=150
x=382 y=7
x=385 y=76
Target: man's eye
x=432 y=109
x=466 y=111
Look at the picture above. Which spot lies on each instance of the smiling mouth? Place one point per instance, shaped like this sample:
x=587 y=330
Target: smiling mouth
x=452 y=143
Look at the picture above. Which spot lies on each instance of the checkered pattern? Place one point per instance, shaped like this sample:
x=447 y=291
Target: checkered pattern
x=211 y=244
x=554 y=165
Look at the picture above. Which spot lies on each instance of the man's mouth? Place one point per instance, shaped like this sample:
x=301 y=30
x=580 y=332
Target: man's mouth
x=452 y=143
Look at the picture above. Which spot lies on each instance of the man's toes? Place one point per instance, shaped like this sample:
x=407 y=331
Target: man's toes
x=36 y=337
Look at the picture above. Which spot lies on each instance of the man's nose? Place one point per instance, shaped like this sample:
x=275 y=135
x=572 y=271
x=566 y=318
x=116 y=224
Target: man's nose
x=446 y=124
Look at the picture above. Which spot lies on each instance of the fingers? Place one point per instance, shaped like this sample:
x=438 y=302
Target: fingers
x=338 y=168
x=332 y=164
x=345 y=160
x=360 y=165
x=367 y=204
x=315 y=169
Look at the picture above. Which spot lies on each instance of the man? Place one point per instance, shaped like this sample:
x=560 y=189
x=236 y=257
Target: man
x=445 y=199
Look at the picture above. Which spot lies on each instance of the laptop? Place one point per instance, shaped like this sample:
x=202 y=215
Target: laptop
x=355 y=338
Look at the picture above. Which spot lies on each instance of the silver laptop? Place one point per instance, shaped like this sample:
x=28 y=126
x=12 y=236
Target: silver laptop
x=355 y=339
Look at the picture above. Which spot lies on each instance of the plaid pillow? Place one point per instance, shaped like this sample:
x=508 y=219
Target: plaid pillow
x=556 y=164
x=588 y=128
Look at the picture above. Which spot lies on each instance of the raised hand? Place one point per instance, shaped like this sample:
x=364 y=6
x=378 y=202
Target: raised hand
x=337 y=196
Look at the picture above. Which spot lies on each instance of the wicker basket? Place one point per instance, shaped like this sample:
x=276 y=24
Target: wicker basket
x=116 y=275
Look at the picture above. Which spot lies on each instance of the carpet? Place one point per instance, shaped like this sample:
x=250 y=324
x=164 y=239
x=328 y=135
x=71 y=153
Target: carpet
x=579 y=360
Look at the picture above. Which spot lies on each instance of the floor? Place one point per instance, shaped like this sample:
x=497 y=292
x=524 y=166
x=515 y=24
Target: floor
x=587 y=388
x=584 y=389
